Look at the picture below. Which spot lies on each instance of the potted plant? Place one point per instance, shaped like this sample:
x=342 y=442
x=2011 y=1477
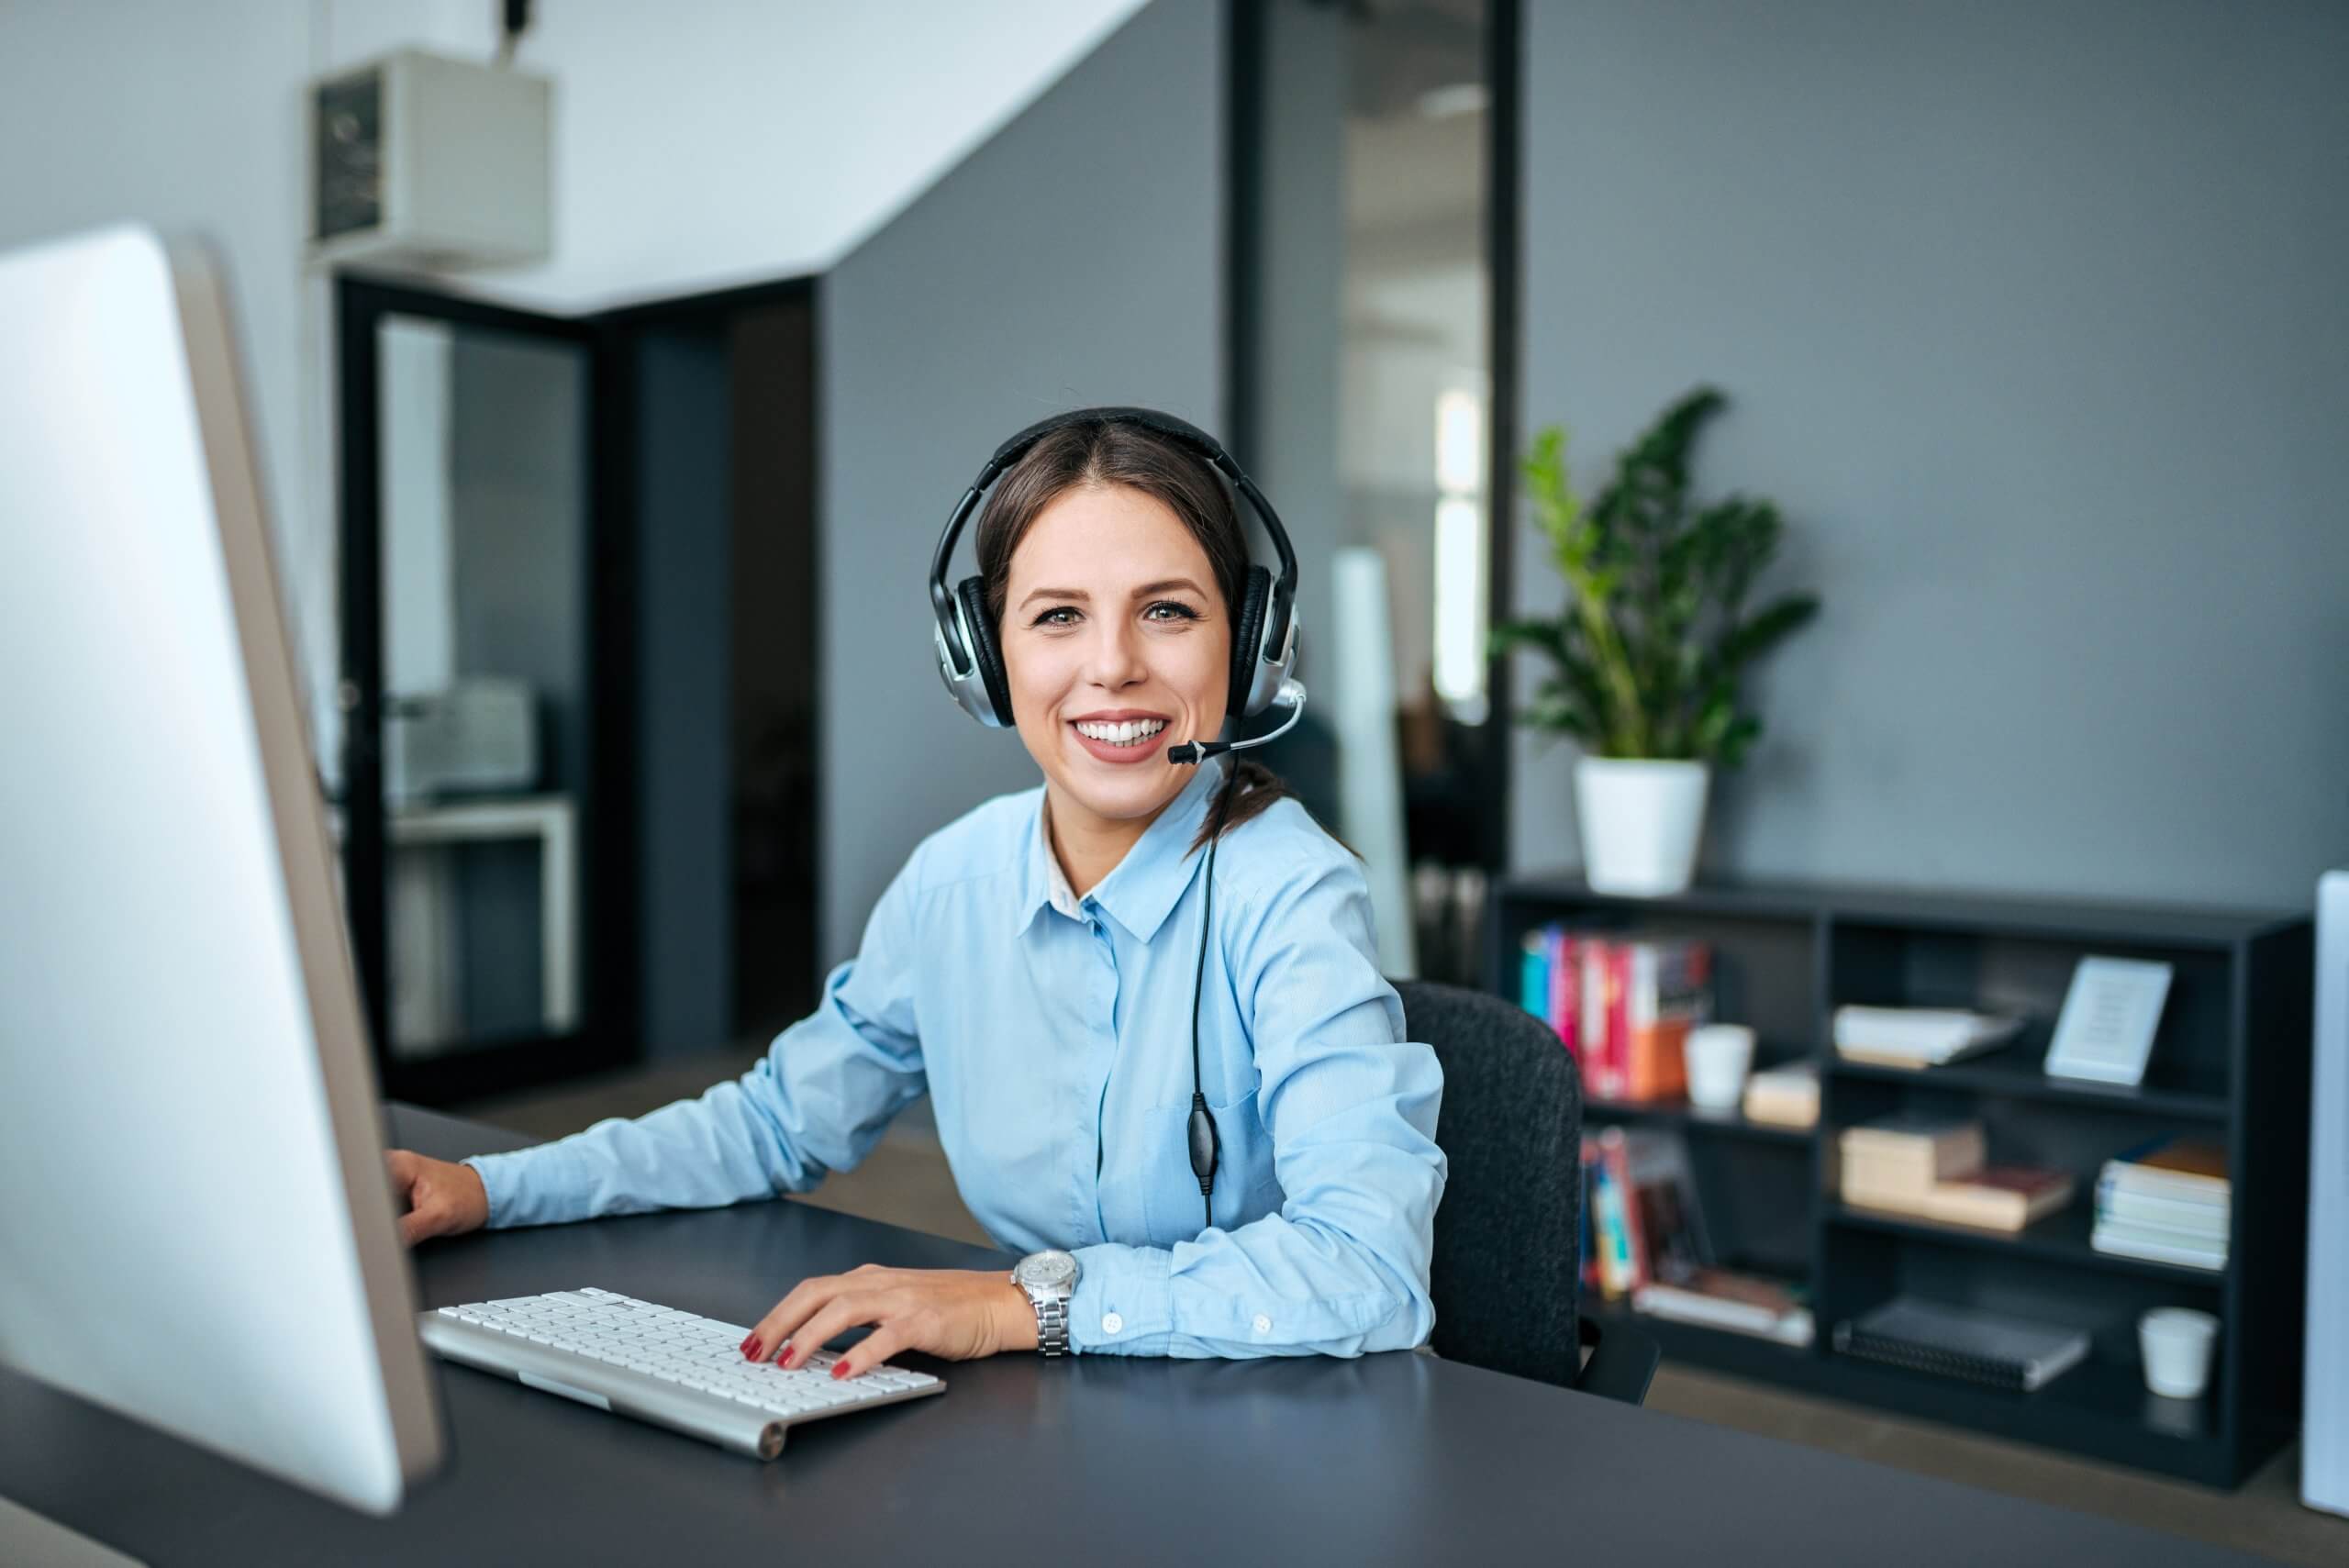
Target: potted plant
x=1651 y=645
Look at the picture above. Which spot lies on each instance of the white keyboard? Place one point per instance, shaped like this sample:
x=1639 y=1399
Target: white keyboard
x=658 y=1365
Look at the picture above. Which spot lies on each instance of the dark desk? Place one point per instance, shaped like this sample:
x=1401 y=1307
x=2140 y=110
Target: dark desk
x=1392 y=1458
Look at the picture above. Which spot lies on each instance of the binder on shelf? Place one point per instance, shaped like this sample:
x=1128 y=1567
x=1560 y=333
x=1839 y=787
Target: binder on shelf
x=1962 y=1342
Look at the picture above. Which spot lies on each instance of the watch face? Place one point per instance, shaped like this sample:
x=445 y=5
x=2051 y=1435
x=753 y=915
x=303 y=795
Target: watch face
x=1046 y=1271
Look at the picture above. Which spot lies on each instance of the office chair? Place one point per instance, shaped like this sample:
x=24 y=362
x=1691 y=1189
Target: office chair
x=1508 y=1265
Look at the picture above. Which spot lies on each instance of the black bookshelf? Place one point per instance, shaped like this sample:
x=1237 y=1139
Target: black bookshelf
x=2230 y=1060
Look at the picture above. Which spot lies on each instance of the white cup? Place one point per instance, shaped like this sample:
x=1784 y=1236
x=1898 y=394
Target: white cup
x=2176 y=1342
x=1718 y=1057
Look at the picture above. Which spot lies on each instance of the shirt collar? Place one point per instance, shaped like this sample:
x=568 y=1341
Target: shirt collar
x=1144 y=887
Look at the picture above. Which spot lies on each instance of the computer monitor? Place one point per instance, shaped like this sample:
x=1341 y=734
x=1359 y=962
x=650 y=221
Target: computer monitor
x=196 y=1227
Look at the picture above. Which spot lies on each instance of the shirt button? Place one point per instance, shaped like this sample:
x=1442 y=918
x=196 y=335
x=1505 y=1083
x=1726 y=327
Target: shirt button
x=1263 y=1324
x=1112 y=1324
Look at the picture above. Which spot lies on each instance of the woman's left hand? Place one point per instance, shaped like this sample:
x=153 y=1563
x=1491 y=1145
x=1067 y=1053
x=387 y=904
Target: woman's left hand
x=957 y=1313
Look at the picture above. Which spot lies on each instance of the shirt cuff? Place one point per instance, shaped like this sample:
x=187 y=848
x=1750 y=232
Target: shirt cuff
x=1124 y=1302
x=501 y=1180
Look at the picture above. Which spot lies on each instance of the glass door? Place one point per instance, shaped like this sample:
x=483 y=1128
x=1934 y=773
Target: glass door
x=1371 y=399
x=483 y=752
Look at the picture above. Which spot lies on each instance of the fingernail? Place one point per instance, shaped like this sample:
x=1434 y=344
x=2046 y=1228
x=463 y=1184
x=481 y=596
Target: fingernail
x=748 y=1339
x=750 y=1352
x=782 y=1353
x=840 y=1369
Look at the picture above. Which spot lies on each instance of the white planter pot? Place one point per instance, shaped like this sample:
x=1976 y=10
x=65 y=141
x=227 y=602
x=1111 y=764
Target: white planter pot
x=1641 y=822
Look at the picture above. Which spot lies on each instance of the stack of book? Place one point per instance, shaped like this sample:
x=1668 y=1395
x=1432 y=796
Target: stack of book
x=2165 y=1201
x=1783 y=1097
x=1744 y=1304
x=1644 y=1241
x=1624 y=1008
x=1919 y=1037
x=1931 y=1168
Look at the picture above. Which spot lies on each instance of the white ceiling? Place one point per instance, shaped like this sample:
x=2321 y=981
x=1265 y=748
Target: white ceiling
x=703 y=143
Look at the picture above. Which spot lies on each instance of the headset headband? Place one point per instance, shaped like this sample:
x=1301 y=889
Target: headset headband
x=942 y=598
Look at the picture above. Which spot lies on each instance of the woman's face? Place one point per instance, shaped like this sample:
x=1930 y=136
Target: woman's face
x=1116 y=646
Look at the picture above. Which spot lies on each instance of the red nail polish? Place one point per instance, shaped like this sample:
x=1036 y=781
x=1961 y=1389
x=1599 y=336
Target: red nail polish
x=840 y=1369
x=782 y=1354
x=750 y=1352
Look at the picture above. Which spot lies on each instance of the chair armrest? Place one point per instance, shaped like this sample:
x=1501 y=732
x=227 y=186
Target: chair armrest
x=1622 y=1361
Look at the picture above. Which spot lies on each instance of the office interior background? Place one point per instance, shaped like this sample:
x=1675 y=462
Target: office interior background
x=2029 y=316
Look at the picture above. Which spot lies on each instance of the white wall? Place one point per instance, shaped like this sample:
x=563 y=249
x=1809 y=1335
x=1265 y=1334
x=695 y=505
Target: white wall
x=709 y=142
x=697 y=144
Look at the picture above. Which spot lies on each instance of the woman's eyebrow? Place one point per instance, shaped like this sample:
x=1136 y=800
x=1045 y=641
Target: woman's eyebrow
x=1077 y=594
x=1165 y=585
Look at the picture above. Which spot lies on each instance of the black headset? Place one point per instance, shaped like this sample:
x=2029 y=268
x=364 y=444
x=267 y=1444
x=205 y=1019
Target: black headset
x=1263 y=659
x=1263 y=629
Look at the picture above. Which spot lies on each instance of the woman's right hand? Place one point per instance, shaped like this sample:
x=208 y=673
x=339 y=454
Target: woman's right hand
x=443 y=1199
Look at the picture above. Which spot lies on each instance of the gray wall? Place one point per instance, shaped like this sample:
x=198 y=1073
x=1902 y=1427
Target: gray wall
x=1074 y=259
x=2031 y=314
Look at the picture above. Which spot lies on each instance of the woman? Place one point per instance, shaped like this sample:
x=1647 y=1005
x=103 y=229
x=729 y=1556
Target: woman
x=1032 y=968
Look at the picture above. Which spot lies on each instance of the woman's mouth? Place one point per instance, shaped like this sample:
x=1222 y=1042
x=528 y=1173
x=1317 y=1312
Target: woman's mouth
x=1120 y=740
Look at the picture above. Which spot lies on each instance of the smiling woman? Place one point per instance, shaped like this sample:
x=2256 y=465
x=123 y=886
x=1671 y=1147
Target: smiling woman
x=1180 y=1088
x=1109 y=560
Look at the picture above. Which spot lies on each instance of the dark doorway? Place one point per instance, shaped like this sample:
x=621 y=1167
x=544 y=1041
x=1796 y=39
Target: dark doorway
x=723 y=393
x=588 y=544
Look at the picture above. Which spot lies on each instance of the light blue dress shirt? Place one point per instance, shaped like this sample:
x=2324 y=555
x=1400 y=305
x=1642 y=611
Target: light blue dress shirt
x=1053 y=1035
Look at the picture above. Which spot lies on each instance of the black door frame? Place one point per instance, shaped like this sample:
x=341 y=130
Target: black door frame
x=610 y=984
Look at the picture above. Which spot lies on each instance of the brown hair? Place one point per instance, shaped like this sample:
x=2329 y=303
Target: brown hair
x=1102 y=451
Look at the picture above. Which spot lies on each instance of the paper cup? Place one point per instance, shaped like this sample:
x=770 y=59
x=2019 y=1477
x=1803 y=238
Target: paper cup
x=1718 y=1057
x=2176 y=1342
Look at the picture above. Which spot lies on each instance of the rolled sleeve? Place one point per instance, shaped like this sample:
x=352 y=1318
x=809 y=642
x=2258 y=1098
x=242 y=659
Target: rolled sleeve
x=817 y=1102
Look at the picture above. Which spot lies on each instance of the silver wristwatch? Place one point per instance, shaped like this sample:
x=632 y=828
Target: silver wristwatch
x=1050 y=1279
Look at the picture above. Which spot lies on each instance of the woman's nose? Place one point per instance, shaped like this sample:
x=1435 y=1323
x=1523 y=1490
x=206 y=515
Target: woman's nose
x=1116 y=658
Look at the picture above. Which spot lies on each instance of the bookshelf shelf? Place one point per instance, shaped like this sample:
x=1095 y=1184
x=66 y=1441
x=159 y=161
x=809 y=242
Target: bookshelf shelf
x=2017 y=1074
x=2230 y=1061
x=2061 y=1237
x=2103 y=1402
x=1681 y=1114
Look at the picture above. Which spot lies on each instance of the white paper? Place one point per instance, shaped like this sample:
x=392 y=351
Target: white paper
x=2106 y=1031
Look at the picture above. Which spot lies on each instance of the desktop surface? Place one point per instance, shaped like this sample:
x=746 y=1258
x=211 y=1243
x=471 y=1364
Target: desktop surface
x=1394 y=1458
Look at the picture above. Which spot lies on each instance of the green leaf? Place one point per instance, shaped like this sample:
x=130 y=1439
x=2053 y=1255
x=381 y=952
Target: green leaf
x=1650 y=643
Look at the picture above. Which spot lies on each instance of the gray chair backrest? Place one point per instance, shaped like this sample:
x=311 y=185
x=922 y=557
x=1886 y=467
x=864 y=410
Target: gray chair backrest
x=1507 y=1266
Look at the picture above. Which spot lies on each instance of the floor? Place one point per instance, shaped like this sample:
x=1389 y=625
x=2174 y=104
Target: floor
x=906 y=1182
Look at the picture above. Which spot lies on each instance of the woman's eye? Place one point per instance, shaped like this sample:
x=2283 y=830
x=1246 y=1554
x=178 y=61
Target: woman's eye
x=1059 y=614
x=1177 y=611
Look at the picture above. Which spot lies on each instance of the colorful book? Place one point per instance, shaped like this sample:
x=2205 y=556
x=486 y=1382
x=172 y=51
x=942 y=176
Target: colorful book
x=1656 y=1228
x=1624 y=1009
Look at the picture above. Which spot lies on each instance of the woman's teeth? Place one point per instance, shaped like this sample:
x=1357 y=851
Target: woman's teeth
x=1133 y=732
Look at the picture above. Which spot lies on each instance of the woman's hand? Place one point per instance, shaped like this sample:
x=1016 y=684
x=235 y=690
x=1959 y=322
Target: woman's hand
x=442 y=1198
x=957 y=1313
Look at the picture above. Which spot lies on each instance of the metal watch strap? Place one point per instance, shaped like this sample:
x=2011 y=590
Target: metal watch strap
x=1051 y=1324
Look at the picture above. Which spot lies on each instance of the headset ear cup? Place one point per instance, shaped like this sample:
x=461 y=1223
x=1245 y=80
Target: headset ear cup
x=1247 y=635
x=972 y=595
